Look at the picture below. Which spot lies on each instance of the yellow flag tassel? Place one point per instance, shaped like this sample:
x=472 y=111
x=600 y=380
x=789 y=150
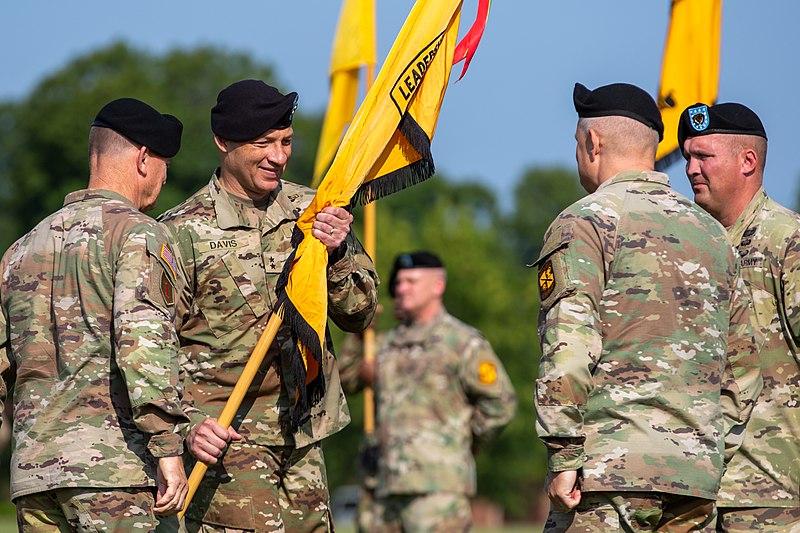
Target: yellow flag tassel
x=385 y=149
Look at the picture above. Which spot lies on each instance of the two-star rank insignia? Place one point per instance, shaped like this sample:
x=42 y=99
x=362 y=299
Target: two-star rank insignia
x=547 y=280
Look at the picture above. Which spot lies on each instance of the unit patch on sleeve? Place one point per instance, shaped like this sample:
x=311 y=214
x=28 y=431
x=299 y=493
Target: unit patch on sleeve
x=167 y=290
x=487 y=372
x=547 y=280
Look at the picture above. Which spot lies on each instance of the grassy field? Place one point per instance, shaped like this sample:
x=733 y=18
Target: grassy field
x=8 y=517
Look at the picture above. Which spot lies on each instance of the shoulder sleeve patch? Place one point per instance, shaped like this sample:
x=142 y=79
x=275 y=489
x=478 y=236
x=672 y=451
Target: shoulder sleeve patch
x=547 y=280
x=167 y=290
x=487 y=372
x=158 y=248
x=162 y=283
x=169 y=258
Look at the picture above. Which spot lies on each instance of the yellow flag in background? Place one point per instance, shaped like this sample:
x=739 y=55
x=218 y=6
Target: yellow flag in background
x=353 y=48
x=690 y=71
x=385 y=149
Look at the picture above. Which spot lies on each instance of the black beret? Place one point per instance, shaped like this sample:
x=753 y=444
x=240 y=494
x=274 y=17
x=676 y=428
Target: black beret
x=701 y=119
x=248 y=108
x=413 y=260
x=618 y=99
x=142 y=124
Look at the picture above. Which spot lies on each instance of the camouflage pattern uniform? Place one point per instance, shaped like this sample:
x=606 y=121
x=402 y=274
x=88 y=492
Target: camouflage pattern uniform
x=232 y=253
x=88 y=296
x=441 y=392
x=5 y=367
x=350 y=355
x=641 y=301
x=765 y=473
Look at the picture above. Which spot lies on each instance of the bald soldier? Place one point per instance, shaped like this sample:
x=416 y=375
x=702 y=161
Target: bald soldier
x=645 y=332
x=441 y=394
x=88 y=302
x=234 y=237
x=725 y=146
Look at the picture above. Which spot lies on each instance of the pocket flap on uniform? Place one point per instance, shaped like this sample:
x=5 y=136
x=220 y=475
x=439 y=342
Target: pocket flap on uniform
x=555 y=243
x=247 y=286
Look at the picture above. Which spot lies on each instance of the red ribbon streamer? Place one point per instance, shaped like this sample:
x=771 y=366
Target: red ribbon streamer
x=466 y=48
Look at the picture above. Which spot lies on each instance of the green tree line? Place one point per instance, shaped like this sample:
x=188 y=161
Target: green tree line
x=43 y=156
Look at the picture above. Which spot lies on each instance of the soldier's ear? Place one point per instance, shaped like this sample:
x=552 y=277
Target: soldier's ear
x=222 y=144
x=142 y=156
x=749 y=159
x=440 y=285
x=592 y=144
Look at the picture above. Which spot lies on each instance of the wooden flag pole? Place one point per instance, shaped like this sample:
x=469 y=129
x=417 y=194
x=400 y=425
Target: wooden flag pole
x=369 y=334
x=237 y=397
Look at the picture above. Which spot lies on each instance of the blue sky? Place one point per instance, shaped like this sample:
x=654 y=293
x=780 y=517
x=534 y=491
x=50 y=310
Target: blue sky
x=513 y=110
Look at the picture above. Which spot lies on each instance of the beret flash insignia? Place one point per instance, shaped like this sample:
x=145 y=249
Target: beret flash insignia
x=699 y=117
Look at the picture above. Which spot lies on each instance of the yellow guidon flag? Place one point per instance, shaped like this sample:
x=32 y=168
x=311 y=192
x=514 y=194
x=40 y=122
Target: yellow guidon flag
x=690 y=71
x=353 y=48
x=385 y=149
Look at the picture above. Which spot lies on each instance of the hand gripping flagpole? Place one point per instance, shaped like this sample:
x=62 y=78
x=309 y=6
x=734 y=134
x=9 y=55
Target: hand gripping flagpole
x=237 y=396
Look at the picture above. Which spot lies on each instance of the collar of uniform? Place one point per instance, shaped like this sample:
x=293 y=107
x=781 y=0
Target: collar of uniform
x=637 y=175
x=419 y=333
x=227 y=215
x=280 y=207
x=91 y=194
x=736 y=231
x=284 y=206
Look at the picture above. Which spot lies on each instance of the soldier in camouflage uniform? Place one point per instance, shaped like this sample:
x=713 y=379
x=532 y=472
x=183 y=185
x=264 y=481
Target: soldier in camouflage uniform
x=355 y=374
x=88 y=301
x=645 y=333
x=234 y=237
x=441 y=393
x=726 y=147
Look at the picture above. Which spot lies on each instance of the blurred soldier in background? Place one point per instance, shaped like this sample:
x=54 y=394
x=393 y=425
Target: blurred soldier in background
x=356 y=373
x=441 y=393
